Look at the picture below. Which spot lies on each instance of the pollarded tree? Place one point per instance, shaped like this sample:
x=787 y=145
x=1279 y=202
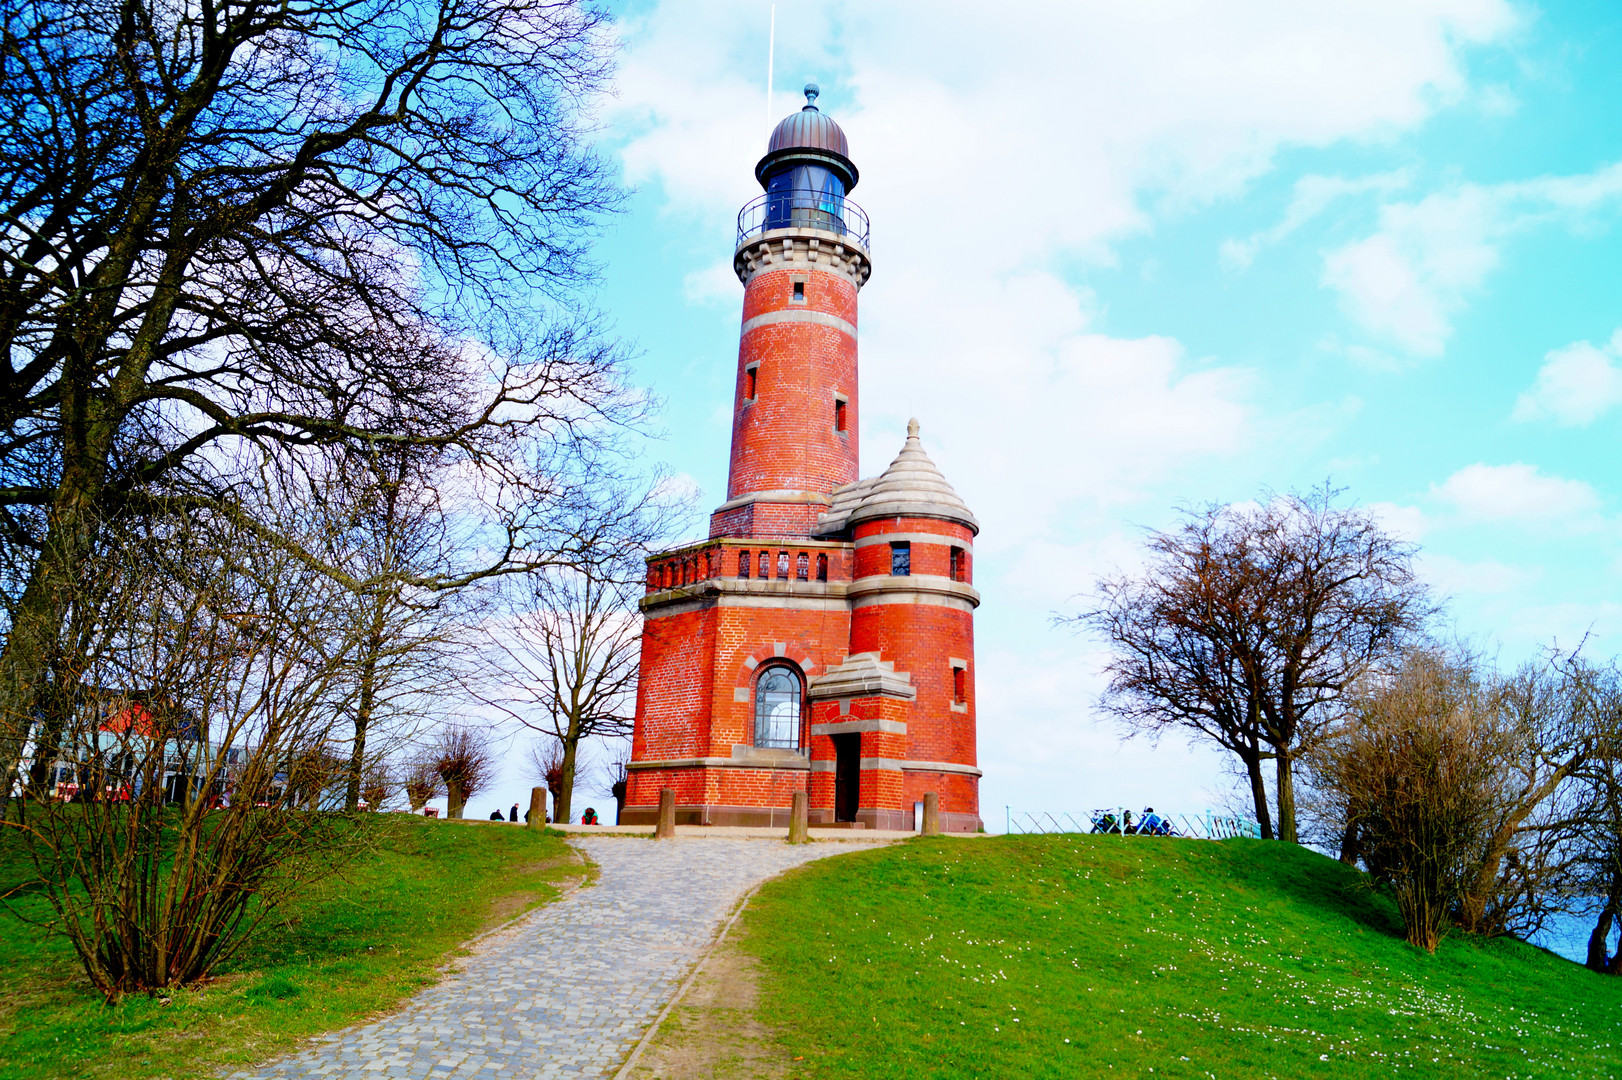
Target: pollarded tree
x=462 y=757
x=275 y=229
x=1250 y=622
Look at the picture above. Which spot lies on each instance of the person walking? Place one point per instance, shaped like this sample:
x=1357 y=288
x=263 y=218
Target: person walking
x=512 y=815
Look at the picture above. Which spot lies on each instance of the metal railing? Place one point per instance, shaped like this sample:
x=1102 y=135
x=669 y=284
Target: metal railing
x=803 y=210
x=1118 y=820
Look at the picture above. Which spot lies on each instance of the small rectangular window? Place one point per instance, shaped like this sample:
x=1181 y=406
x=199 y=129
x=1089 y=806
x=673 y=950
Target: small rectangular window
x=900 y=558
x=802 y=566
x=960 y=685
x=839 y=414
x=782 y=564
x=749 y=383
x=959 y=564
x=765 y=564
x=743 y=564
x=799 y=292
x=822 y=568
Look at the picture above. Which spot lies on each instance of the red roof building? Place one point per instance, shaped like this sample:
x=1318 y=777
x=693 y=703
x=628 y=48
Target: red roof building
x=822 y=638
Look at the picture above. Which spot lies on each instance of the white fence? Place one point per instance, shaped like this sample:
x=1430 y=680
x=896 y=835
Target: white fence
x=1118 y=820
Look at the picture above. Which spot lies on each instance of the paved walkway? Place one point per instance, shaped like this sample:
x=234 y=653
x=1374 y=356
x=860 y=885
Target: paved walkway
x=570 y=989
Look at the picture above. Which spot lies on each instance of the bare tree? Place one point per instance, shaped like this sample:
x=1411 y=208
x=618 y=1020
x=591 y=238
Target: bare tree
x=275 y=230
x=1596 y=832
x=386 y=524
x=1553 y=718
x=190 y=727
x=565 y=661
x=1249 y=624
x=1420 y=764
x=463 y=758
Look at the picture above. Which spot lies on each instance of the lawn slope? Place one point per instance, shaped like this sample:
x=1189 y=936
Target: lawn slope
x=1083 y=956
x=357 y=944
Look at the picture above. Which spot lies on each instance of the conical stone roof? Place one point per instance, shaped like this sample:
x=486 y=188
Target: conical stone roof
x=912 y=487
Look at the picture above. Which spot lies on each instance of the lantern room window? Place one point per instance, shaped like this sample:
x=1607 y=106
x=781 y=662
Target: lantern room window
x=777 y=708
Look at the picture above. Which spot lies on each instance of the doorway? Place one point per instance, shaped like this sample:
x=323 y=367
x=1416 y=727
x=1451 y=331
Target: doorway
x=847 y=775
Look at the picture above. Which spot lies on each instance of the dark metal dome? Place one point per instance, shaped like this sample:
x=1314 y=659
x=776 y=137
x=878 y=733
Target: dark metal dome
x=809 y=136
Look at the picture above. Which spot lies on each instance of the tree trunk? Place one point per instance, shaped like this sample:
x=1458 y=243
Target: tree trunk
x=1258 y=792
x=453 y=799
x=565 y=796
x=363 y=717
x=1285 y=763
x=32 y=642
x=1600 y=938
x=1350 y=843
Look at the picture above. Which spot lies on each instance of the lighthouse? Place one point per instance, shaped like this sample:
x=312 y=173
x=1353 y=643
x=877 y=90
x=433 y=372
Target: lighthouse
x=822 y=638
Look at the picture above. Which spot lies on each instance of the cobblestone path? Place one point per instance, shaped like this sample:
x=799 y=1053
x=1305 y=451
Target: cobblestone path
x=568 y=991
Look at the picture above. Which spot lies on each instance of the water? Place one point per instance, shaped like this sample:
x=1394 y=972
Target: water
x=1567 y=935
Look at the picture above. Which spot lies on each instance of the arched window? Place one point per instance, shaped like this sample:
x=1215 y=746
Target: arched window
x=777 y=708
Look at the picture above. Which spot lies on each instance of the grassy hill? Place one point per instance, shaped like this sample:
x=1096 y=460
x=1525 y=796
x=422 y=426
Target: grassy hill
x=355 y=945
x=1083 y=956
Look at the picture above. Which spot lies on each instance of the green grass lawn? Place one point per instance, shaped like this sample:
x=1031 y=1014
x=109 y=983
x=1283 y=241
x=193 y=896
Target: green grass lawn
x=1083 y=956
x=353 y=946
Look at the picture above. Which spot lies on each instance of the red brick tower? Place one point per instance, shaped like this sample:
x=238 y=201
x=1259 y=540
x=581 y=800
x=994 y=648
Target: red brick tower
x=822 y=639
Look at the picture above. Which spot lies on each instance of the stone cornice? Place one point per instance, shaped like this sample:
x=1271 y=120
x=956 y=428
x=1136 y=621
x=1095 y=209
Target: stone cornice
x=912 y=589
x=803 y=249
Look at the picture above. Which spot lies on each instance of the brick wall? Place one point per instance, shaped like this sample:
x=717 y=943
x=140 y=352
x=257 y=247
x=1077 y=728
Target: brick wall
x=784 y=437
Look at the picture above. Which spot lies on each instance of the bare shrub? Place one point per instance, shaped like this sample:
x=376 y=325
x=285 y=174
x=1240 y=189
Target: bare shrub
x=1420 y=766
x=184 y=766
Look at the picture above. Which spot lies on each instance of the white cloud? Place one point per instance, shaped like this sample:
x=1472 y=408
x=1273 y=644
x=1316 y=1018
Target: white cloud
x=1404 y=522
x=1312 y=196
x=998 y=143
x=1576 y=385
x=1404 y=282
x=1483 y=576
x=1516 y=493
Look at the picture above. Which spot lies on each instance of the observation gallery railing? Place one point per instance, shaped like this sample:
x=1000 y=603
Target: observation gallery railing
x=804 y=210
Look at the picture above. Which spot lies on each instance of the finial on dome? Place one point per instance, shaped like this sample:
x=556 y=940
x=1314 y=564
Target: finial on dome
x=912 y=428
x=812 y=90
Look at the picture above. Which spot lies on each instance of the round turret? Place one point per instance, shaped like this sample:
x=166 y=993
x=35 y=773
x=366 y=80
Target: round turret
x=912 y=487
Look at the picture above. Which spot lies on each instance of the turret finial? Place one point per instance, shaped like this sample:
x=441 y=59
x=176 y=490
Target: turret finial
x=811 y=92
x=912 y=428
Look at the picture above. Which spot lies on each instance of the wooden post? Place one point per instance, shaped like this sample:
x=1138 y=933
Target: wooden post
x=667 y=815
x=537 y=808
x=932 y=814
x=798 y=818
x=453 y=800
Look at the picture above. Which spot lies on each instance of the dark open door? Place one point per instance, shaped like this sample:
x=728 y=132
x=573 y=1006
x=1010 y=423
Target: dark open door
x=847 y=775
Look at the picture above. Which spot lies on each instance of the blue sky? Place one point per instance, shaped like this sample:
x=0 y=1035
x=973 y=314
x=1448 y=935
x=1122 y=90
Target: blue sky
x=1130 y=255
